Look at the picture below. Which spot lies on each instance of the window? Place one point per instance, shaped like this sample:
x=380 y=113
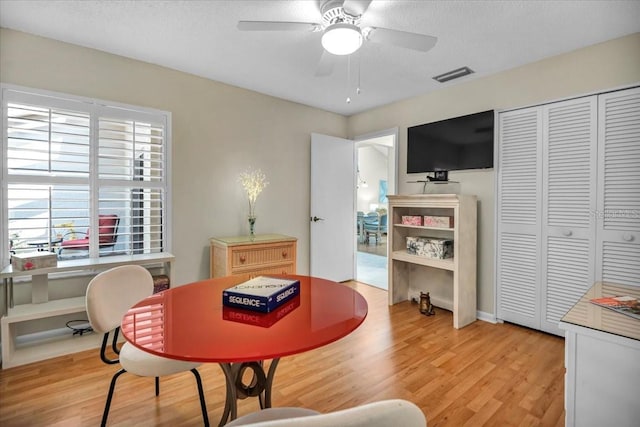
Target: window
x=74 y=168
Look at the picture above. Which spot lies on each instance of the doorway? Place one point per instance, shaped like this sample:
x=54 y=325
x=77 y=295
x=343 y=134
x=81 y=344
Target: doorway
x=376 y=156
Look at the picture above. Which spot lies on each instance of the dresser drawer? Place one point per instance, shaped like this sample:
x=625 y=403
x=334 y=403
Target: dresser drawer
x=269 y=269
x=248 y=256
x=263 y=254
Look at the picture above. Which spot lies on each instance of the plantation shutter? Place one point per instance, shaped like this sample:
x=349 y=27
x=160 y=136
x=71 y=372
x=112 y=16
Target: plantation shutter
x=47 y=169
x=73 y=167
x=131 y=176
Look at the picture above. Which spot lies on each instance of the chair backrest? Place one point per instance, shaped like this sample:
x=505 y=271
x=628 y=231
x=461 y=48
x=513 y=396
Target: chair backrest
x=394 y=412
x=371 y=218
x=383 y=221
x=108 y=229
x=111 y=293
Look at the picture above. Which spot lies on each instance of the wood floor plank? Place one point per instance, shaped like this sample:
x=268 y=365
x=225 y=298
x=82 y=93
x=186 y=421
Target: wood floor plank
x=482 y=375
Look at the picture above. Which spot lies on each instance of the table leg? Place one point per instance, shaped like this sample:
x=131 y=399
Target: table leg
x=230 y=405
x=269 y=384
x=260 y=386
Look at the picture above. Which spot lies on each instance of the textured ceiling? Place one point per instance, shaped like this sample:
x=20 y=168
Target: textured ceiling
x=201 y=38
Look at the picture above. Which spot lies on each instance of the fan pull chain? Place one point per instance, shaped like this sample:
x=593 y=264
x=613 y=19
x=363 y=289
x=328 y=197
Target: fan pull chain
x=358 y=87
x=348 y=74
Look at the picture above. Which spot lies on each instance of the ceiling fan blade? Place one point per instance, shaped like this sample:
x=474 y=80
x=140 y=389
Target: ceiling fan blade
x=404 y=39
x=277 y=26
x=325 y=66
x=355 y=7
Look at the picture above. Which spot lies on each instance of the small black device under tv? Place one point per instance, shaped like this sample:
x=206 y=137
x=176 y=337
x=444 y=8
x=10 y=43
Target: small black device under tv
x=458 y=143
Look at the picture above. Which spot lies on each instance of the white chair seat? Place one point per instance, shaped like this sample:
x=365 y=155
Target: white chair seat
x=145 y=364
x=271 y=414
x=385 y=413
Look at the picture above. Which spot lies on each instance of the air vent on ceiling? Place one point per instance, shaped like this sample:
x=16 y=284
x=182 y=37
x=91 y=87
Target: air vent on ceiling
x=454 y=74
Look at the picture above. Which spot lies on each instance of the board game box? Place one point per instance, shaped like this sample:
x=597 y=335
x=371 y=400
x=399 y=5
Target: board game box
x=261 y=293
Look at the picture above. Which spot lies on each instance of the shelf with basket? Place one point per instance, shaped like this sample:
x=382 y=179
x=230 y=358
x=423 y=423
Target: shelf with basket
x=437 y=258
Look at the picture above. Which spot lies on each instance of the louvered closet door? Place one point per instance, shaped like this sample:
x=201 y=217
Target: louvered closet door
x=518 y=241
x=568 y=203
x=618 y=210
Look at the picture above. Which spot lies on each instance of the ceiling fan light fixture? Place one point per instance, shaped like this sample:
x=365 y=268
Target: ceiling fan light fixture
x=342 y=38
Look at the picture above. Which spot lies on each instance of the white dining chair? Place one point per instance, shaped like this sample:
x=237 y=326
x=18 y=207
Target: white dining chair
x=384 y=413
x=109 y=296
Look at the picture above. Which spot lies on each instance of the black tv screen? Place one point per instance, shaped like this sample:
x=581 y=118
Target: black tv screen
x=459 y=143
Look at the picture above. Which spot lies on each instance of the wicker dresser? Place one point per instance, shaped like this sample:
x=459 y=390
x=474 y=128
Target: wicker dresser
x=264 y=254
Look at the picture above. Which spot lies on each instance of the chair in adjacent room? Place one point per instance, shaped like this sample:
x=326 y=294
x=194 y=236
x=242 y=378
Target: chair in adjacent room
x=375 y=224
x=107 y=235
x=360 y=226
x=109 y=296
x=369 y=222
x=384 y=413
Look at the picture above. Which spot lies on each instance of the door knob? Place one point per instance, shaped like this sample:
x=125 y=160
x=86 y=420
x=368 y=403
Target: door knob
x=627 y=237
x=316 y=219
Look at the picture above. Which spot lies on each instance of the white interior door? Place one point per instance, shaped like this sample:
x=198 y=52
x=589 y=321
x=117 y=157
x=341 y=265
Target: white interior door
x=332 y=208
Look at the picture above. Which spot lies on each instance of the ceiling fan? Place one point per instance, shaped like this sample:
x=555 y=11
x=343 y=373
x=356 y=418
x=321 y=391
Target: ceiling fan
x=342 y=33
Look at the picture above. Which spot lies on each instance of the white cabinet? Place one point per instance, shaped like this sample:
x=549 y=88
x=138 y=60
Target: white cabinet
x=602 y=350
x=451 y=282
x=568 y=204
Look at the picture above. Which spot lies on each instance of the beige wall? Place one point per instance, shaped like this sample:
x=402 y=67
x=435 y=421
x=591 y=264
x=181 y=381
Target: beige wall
x=600 y=67
x=218 y=131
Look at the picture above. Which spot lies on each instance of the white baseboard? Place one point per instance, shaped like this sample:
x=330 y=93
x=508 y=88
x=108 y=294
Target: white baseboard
x=486 y=317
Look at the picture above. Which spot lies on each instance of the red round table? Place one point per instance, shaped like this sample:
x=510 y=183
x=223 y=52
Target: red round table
x=190 y=323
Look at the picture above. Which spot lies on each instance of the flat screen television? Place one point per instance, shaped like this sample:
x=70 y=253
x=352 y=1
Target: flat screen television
x=458 y=143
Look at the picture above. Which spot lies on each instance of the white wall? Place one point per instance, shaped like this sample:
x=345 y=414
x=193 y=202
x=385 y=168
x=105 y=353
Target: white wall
x=603 y=66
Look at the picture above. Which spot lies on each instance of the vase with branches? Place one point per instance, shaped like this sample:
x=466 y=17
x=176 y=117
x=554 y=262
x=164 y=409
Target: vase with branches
x=253 y=182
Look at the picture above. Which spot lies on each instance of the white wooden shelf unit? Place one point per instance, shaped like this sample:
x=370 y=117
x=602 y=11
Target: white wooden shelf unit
x=15 y=353
x=451 y=282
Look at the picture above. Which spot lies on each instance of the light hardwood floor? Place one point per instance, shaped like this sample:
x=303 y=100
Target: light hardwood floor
x=481 y=375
